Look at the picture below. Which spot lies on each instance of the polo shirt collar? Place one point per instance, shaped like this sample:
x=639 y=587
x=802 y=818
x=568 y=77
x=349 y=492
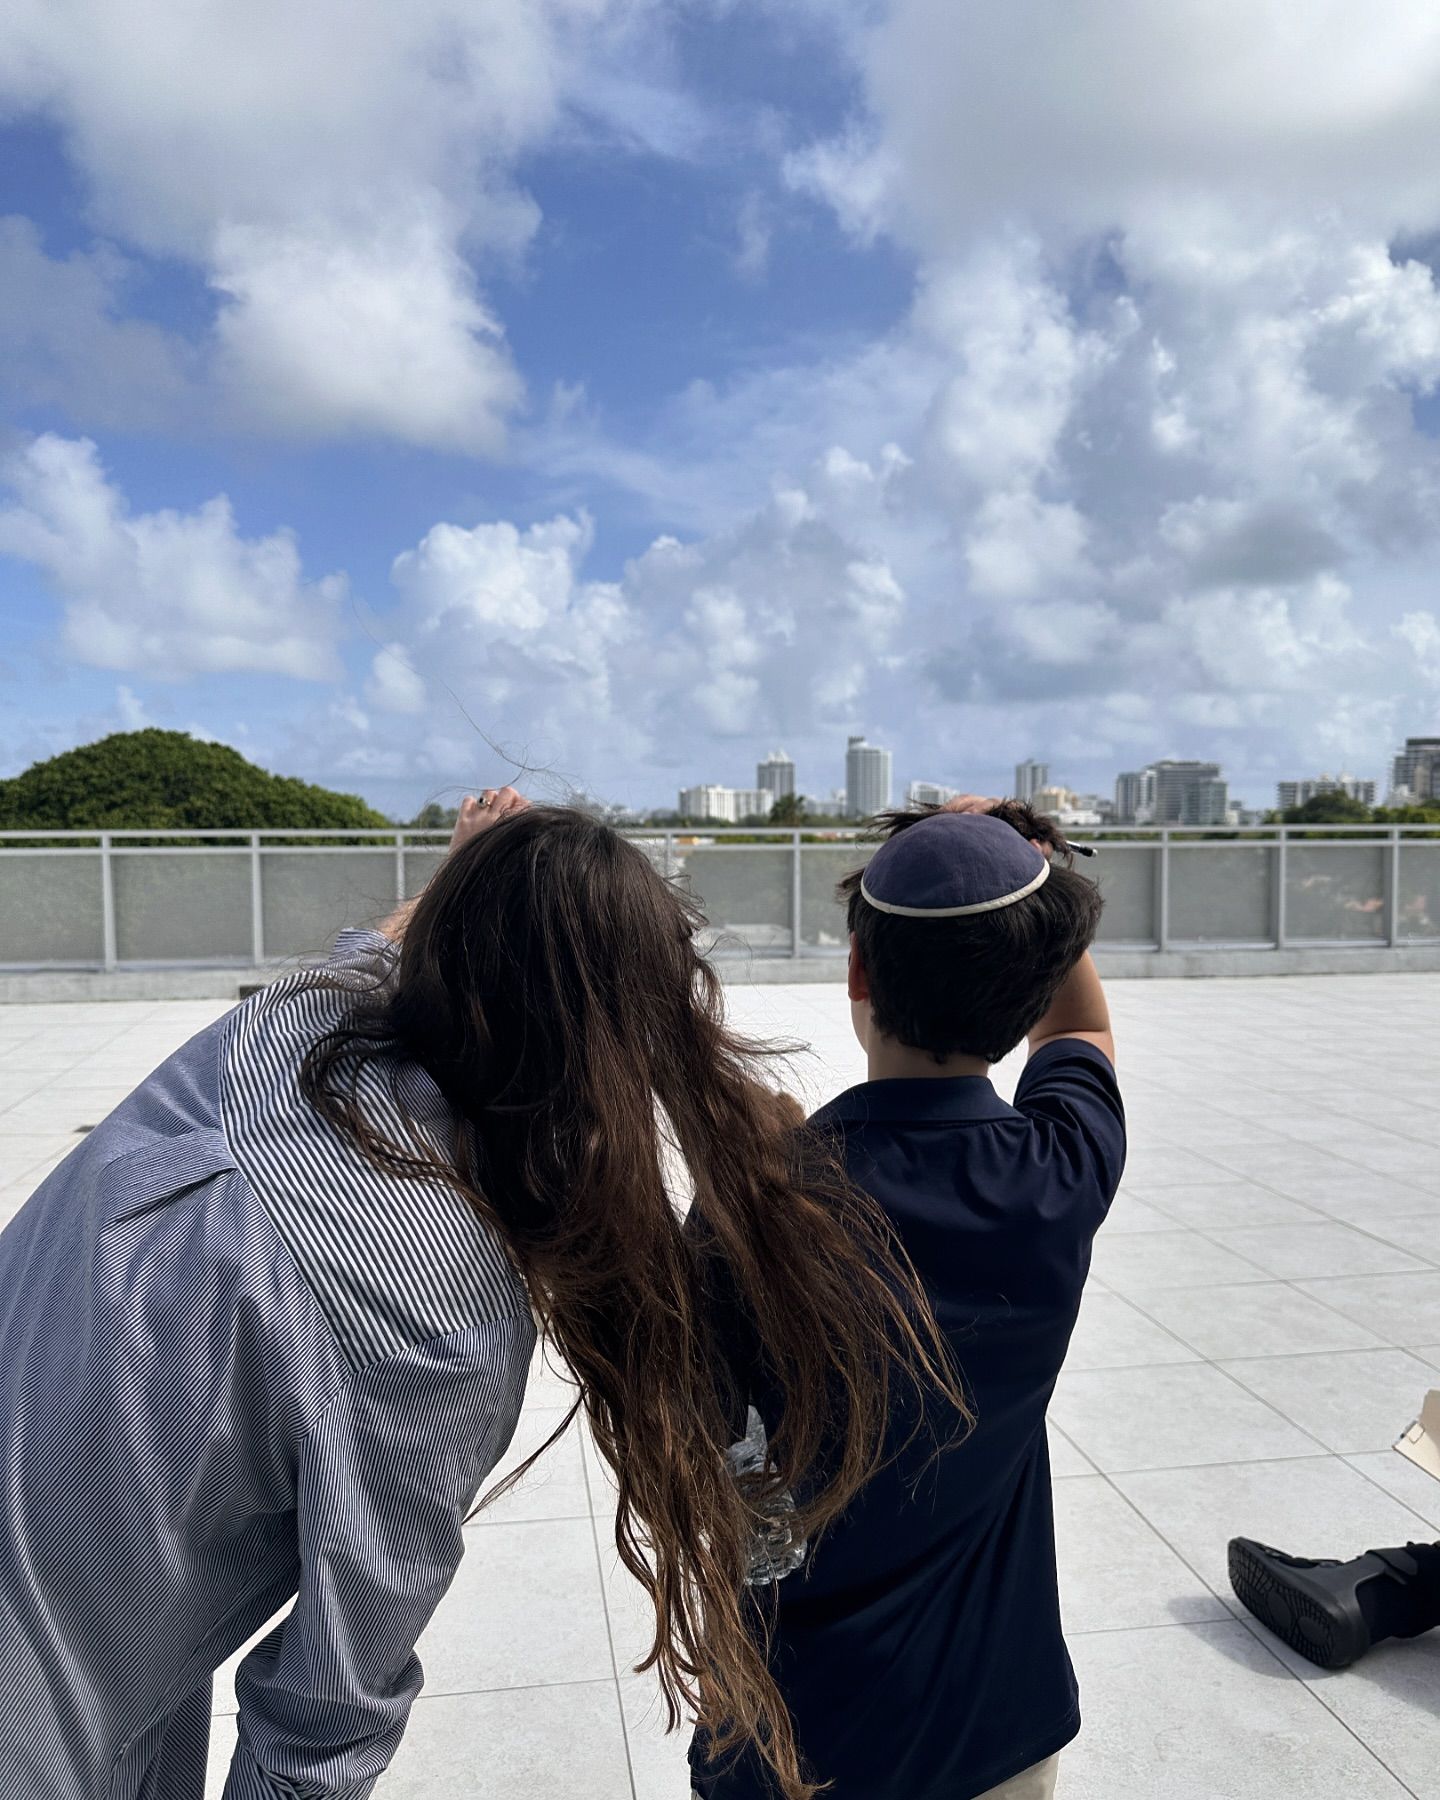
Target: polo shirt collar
x=916 y=1101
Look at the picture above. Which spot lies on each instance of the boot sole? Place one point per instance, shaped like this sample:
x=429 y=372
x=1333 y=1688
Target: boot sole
x=1299 y=1617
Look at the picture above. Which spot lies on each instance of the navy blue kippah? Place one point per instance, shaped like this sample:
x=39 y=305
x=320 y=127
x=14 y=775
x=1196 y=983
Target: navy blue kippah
x=953 y=863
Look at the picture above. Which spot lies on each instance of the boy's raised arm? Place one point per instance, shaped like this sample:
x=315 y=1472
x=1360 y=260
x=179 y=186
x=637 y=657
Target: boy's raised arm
x=1079 y=1010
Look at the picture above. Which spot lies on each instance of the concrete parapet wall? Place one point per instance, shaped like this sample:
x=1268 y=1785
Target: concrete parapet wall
x=51 y=985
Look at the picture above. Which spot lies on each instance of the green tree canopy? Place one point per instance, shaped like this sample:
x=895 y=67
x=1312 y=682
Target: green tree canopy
x=1338 y=808
x=788 y=809
x=167 y=780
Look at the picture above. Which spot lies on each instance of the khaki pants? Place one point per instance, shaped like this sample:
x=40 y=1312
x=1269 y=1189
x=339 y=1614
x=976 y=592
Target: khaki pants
x=1035 y=1784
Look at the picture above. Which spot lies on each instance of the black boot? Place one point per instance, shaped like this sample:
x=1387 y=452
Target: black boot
x=1332 y=1612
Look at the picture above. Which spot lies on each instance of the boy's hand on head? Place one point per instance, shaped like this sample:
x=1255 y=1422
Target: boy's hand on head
x=1040 y=830
x=1037 y=828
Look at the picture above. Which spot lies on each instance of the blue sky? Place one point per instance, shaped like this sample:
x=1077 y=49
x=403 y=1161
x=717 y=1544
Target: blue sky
x=605 y=391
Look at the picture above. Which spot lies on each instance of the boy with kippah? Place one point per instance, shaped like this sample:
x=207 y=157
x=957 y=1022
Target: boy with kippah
x=920 y=1648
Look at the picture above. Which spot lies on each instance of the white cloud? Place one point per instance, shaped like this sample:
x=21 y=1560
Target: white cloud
x=1020 y=362
x=394 y=685
x=1083 y=117
x=1158 y=386
x=852 y=173
x=1138 y=472
x=782 y=624
x=324 y=334
x=334 y=169
x=131 y=709
x=1420 y=633
x=505 y=634
x=1019 y=545
x=165 y=594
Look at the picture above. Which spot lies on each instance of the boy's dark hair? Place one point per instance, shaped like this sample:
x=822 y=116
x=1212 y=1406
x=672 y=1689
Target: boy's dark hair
x=974 y=985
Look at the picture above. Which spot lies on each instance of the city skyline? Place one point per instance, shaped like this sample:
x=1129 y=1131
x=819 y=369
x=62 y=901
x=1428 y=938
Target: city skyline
x=1165 y=790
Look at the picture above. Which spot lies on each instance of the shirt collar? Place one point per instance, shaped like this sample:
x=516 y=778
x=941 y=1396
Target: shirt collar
x=918 y=1100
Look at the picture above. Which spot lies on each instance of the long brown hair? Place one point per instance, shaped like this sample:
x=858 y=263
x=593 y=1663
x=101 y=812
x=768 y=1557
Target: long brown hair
x=548 y=980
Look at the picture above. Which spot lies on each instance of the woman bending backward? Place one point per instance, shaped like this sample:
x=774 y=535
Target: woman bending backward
x=266 y=1331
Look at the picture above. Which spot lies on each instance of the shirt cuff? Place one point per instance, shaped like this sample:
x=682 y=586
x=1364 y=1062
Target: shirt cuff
x=248 y=1781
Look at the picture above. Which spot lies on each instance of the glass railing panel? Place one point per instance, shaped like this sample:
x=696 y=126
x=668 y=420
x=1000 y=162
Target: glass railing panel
x=1418 y=912
x=182 y=905
x=51 y=910
x=1335 y=893
x=744 y=890
x=311 y=894
x=1222 y=893
x=822 y=917
x=1127 y=876
x=421 y=862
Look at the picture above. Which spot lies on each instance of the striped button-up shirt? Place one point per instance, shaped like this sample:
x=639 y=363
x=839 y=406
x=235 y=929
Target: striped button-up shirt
x=239 y=1364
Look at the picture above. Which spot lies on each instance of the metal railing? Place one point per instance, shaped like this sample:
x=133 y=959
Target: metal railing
x=145 y=899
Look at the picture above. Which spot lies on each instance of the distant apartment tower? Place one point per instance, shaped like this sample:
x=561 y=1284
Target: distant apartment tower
x=1069 y=808
x=776 y=775
x=1135 y=797
x=1415 y=772
x=725 y=805
x=1028 y=777
x=1296 y=793
x=928 y=793
x=867 y=778
x=1190 y=793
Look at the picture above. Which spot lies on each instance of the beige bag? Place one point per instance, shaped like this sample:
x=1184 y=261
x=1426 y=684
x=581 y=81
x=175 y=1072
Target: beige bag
x=1421 y=1441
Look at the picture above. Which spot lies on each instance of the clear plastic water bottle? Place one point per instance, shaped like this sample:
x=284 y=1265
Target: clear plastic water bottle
x=776 y=1549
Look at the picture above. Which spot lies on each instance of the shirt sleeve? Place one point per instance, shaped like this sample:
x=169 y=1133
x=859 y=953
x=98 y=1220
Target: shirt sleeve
x=384 y=1481
x=1069 y=1093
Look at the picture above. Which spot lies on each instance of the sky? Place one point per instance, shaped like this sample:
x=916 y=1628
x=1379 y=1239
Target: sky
x=598 y=394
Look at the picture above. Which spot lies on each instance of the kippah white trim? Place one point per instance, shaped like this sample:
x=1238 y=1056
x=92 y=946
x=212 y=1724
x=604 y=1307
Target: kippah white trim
x=954 y=912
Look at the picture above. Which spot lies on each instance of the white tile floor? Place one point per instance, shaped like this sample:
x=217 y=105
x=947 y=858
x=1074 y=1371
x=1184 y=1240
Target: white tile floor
x=1264 y=1315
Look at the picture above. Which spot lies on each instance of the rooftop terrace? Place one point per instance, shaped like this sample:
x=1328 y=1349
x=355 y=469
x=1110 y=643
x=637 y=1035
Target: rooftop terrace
x=1263 y=1319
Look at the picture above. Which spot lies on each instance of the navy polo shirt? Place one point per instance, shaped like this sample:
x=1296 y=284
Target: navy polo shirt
x=920 y=1649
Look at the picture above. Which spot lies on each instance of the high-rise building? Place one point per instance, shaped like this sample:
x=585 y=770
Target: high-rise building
x=1415 y=773
x=776 y=775
x=929 y=793
x=1296 y=793
x=725 y=805
x=1135 y=797
x=867 y=778
x=1028 y=777
x=1066 y=807
x=1190 y=793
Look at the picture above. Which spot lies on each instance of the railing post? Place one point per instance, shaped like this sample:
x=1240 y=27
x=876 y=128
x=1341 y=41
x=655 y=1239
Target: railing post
x=1282 y=879
x=107 y=904
x=669 y=867
x=1162 y=921
x=795 y=893
x=1392 y=889
x=399 y=867
x=257 y=903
